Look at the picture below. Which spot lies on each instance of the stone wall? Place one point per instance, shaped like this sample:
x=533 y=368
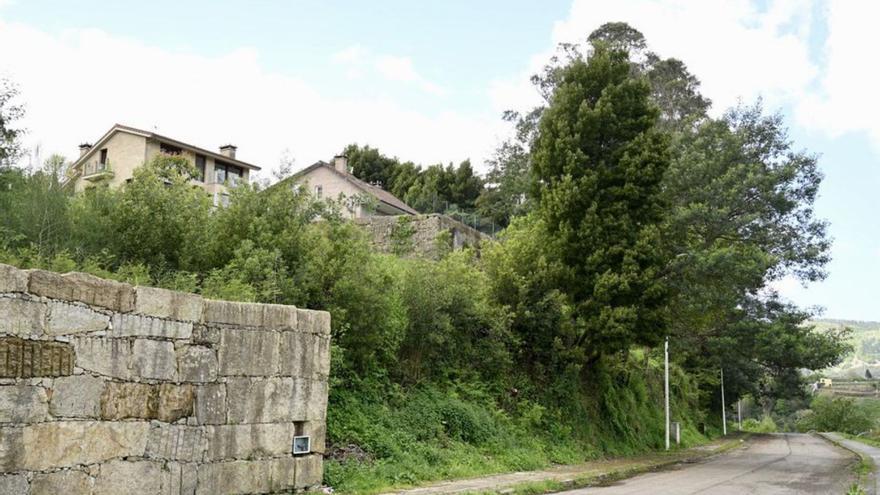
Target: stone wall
x=107 y=388
x=420 y=235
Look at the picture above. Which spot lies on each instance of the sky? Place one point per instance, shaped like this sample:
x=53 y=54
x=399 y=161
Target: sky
x=428 y=81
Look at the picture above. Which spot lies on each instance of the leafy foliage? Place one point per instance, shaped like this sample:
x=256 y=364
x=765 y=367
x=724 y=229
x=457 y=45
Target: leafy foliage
x=598 y=165
x=836 y=414
x=10 y=135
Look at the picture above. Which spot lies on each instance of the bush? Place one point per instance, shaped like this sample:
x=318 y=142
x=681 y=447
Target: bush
x=836 y=414
x=766 y=425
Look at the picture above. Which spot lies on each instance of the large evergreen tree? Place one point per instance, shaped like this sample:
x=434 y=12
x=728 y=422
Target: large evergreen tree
x=598 y=164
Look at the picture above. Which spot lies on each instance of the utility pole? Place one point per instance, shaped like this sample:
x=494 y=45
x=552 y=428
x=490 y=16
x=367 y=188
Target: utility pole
x=666 y=386
x=723 y=411
x=739 y=413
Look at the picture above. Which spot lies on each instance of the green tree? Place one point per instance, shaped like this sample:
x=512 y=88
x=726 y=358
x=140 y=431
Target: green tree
x=160 y=219
x=742 y=216
x=598 y=164
x=34 y=208
x=508 y=182
x=10 y=134
x=369 y=165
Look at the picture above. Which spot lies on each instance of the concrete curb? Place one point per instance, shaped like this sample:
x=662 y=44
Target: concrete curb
x=553 y=482
x=869 y=483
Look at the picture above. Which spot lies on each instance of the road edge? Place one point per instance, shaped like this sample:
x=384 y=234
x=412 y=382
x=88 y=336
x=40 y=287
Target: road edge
x=555 y=486
x=867 y=481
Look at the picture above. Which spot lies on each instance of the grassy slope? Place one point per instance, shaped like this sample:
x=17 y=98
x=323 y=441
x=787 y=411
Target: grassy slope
x=409 y=437
x=866 y=348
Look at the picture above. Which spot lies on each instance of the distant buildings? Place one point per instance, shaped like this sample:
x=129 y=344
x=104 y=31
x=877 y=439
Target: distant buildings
x=116 y=155
x=359 y=199
x=393 y=225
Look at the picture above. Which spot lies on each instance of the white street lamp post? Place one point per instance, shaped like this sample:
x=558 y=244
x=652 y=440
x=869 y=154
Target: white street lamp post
x=666 y=387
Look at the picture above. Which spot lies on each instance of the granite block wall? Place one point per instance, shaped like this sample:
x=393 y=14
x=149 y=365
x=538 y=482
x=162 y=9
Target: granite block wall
x=107 y=388
x=424 y=236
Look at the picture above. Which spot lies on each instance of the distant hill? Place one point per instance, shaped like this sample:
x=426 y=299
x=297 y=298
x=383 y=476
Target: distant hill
x=866 y=348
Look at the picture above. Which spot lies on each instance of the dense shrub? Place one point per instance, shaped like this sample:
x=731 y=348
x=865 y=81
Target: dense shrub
x=836 y=414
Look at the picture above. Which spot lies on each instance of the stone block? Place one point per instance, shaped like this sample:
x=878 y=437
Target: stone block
x=248 y=352
x=175 y=402
x=309 y=470
x=313 y=321
x=196 y=364
x=23 y=404
x=82 y=287
x=265 y=476
x=66 y=318
x=205 y=335
x=317 y=432
x=210 y=406
x=12 y=279
x=165 y=402
x=14 y=484
x=76 y=396
x=163 y=303
x=147 y=326
x=269 y=316
x=68 y=482
x=266 y=400
x=21 y=358
x=176 y=442
x=129 y=400
x=154 y=359
x=104 y=356
x=305 y=355
x=22 y=317
x=141 y=477
x=309 y=399
x=45 y=446
x=184 y=477
x=226 y=442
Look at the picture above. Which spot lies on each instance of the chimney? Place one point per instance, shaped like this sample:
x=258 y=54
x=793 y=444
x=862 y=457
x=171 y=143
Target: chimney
x=228 y=150
x=340 y=162
x=84 y=148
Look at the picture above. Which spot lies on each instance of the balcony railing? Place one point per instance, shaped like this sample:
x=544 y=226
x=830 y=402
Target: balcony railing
x=96 y=170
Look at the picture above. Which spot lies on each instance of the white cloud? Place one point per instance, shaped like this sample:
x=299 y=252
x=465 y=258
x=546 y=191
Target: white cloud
x=353 y=54
x=736 y=50
x=77 y=84
x=845 y=99
x=401 y=69
x=358 y=60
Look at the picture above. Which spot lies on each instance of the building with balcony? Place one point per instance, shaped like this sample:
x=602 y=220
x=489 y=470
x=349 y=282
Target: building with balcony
x=114 y=157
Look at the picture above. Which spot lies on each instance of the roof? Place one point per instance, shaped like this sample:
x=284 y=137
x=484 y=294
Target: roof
x=375 y=191
x=158 y=137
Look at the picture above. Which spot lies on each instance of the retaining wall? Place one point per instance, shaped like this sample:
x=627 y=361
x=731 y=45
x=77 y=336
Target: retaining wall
x=420 y=235
x=106 y=388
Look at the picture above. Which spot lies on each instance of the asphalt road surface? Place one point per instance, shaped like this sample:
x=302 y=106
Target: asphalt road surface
x=774 y=464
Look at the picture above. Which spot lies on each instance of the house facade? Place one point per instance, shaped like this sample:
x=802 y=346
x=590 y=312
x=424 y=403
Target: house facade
x=115 y=156
x=392 y=225
x=334 y=181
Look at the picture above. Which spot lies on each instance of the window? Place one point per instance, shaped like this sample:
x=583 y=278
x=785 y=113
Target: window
x=103 y=159
x=200 y=168
x=226 y=172
x=319 y=191
x=169 y=149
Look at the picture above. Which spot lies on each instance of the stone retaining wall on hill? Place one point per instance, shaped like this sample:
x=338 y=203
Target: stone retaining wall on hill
x=420 y=235
x=106 y=388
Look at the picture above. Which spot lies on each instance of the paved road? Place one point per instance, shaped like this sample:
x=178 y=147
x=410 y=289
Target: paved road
x=872 y=452
x=778 y=464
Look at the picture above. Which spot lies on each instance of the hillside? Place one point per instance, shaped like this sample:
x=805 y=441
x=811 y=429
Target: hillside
x=866 y=348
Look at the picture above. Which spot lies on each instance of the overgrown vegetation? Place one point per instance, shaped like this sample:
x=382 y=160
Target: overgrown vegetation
x=632 y=216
